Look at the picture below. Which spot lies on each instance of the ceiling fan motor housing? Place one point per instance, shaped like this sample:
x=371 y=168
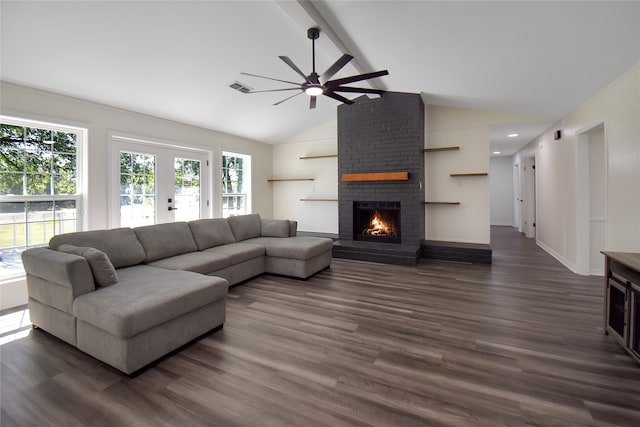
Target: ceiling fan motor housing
x=313 y=33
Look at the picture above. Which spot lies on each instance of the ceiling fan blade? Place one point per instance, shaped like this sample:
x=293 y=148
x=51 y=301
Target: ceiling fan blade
x=357 y=90
x=338 y=97
x=274 y=90
x=290 y=63
x=288 y=98
x=359 y=77
x=270 y=78
x=337 y=66
x=312 y=103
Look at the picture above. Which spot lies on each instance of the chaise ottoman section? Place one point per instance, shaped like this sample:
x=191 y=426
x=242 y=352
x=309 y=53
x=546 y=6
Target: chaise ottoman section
x=148 y=313
x=297 y=256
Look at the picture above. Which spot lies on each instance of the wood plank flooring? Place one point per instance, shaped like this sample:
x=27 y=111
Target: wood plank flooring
x=515 y=343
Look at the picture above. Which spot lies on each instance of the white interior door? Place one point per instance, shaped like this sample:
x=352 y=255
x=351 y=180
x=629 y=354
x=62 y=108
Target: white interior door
x=153 y=184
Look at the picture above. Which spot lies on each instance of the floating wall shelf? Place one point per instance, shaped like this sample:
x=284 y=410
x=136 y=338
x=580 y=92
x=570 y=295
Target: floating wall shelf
x=470 y=174
x=441 y=203
x=433 y=150
x=289 y=179
x=318 y=200
x=323 y=156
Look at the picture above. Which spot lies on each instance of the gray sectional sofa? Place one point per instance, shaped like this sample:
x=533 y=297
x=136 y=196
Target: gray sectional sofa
x=128 y=296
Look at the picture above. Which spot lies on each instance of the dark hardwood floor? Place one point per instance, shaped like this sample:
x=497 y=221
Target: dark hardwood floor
x=515 y=343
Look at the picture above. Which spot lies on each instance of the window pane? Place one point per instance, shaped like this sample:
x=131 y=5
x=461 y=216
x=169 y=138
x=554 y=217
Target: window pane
x=65 y=142
x=12 y=224
x=11 y=157
x=234 y=191
x=65 y=218
x=137 y=189
x=126 y=160
x=63 y=162
x=11 y=183
x=40 y=222
x=187 y=189
x=38 y=184
x=12 y=133
x=64 y=184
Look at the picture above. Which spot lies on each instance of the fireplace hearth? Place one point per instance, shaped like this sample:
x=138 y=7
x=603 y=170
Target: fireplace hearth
x=376 y=221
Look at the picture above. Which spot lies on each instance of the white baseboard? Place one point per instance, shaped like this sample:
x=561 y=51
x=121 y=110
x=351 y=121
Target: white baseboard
x=571 y=266
x=13 y=293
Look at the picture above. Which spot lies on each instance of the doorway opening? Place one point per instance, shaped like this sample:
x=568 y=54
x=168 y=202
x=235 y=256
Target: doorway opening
x=591 y=187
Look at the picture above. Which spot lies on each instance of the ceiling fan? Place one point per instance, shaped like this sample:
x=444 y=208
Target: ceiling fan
x=315 y=85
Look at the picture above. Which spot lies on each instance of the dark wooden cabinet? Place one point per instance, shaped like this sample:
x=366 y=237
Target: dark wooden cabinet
x=622 y=300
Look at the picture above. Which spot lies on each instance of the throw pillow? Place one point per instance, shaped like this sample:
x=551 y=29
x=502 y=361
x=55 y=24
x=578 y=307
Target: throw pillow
x=104 y=274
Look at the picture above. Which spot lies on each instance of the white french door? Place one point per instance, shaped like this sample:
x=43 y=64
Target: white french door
x=153 y=184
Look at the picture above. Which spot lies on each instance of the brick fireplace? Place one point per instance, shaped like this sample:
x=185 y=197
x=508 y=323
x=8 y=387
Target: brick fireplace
x=381 y=179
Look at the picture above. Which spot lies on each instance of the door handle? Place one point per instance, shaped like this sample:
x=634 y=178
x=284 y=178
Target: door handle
x=171 y=208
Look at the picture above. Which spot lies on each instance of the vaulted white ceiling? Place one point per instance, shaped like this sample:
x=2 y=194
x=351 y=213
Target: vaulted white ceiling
x=176 y=59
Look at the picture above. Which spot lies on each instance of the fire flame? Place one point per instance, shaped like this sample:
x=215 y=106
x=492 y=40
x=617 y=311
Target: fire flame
x=379 y=227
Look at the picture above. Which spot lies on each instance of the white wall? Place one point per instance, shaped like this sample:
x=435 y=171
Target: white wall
x=501 y=190
x=101 y=120
x=468 y=129
x=316 y=216
x=618 y=107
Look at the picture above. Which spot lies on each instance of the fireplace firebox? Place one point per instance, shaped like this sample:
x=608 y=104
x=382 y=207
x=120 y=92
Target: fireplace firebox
x=376 y=221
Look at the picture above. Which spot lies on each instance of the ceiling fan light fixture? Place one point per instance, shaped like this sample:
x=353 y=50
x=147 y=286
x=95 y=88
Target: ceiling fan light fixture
x=316 y=84
x=314 y=90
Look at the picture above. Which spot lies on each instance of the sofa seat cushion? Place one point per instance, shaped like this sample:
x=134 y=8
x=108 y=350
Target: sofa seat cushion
x=197 y=262
x=239 y=252
x=298 y=247
x=145 y=297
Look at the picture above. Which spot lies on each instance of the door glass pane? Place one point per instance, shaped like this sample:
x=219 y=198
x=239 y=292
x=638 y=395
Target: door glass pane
x=187 y=189
x=137 y=189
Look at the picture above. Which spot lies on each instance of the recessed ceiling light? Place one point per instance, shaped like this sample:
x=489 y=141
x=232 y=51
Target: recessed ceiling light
x=512 y=135
x=496 y=152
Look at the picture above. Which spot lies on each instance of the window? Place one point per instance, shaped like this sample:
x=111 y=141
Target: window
x=236 y=184
x=39 y=187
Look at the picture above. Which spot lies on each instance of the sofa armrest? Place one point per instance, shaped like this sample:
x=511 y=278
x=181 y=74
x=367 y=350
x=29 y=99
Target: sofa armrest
x=58 y=268
x=278 y=228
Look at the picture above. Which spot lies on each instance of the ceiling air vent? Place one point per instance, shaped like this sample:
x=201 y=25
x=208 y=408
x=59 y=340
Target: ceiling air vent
x=240 y=87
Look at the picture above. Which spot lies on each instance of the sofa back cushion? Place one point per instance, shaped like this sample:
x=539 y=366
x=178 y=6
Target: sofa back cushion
x=120 y=244
x=211 y=232
x=274 y=228
x=245 y=226
x=104 y=274
x=165 y=240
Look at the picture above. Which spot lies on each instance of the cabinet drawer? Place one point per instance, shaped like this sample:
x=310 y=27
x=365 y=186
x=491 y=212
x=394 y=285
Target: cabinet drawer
x=622 y=272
